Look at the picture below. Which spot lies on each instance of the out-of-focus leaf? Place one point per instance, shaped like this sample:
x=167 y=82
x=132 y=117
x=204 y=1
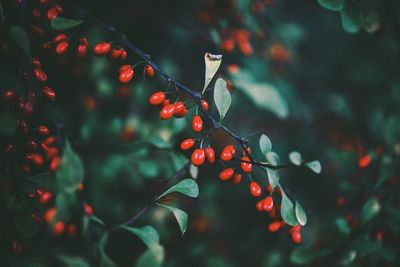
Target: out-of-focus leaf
x=300 y=214
x=147 y=234
x=295 y=158
x=342 y=225
x=194 y=171
x=148 y=168
x=370 y=210
x=72 y=261
x=105 y=260
x=273 y=178
x=21 y=38
x=287 y=210
x=187 y=187
x=180 y=216
x=301 y=256
x=60 y=23
x=352 y=16
x=333 y=5
x=70 y=170
x=315 y=166
x=212 y=63
x=365 y=246
x=348 y=257
x=265 y=144
x=273 y=158
x=222 y=97
x=158 y=142
x=152 y=257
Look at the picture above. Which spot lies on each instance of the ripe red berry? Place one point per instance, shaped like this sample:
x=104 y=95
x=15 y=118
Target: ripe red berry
x=38 y=160
x=81 y=50
x=149 y=71
x=237 y=178
x=246 y=166
x=259 y=205
x=43 y=130
x=255 y=189
x=54 y=163
x=226 y=154
x=210 y=154
x=197 y=123
x=157 y=98
x=61 y=48
x=126 y=75
x=198 y=157
x=226 y=174
x=187 y=144
x=88 y=209
x=40 y=75
x=364 y=161
x=296 y=237
x=115 y=53
x=180 y=109
x=268 y=204
x=274 y=226
x=49 y=215
x=48 y=93
x=58 y=228
x=52 y=13
x=167 y=111
x=9 y=94
x=45 y=197
x=204 y=104
x=59 y=37
x=101 y=49
x=123 y=55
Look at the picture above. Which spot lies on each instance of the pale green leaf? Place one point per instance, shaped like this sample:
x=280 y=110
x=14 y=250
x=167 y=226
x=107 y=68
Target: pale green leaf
x=147 y=234
x=265 y=144
x=212 y=63
x=187 y=187
x=287 y=210
x=295 y=158
x=333 y=5
x=152 y=257
x=180 y=216
x=371 y=209
x=222 y=97
x=315 y=166
x=352 y=17
x=300 y=214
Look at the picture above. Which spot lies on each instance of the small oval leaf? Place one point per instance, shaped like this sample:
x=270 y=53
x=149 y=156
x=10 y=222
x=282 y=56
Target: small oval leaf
x=333 y=5
x=148 y=234
x=60 y=23
x=222 y=97
x=180 y=216
x=315 y=166
x=287 y=210
x=265 y=144
x=295 y=158
x=300 y=214
x=273 y=158
x=212 y=65
x=187 y=187
x=352 y=17
x=21 y=38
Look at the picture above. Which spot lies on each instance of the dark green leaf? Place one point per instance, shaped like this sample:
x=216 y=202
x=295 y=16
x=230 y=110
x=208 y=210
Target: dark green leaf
x=158 y=142
x=72 y=261
x=70 y=170
x=370 y=210
x=180 y=216
x=333 y=5
x=147 y=234
x=352 y=16
x=187 y=187
x=106 y=261
x=222 y=97
x=153 y=257
x=21 y=38
x=301 y=256
x=60 y=23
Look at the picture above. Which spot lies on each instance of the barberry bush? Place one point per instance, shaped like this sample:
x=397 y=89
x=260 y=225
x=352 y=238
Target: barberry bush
x=215 y=133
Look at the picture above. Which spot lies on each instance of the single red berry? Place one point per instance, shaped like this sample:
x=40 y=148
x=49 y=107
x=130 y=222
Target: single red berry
x=296 y=237
x=237 y=178
x=36 y=63
x=52 y=13
x=38 y=160
x=167 y=111
x=59 y=37
x=81 y=50
x=364 y=161
x=123 y=55
x=40 y=75
x=35 y=12
x=48 y=93
x=198 y=157
x=295 y=228
x=268 y=188
x=149 y=71
x=115 y=53
x=9 y=94
x=379 y=235
x=179 y=107
x=274 y=226
x=58 y=228
x=255 y=189
x=54 y=163
x=31 y=145
x=259 y=205
x=45 y=198
x=187 y=144
x=204 y=104
x=126 y=75
x=43 y=130
x=268 y=204
x=246 y=166
x=157 y=98
x=61 y=48
x=101 y=49
x=226 y=154
x=49 y=215
x=226 y=174
x=197 y=123
x=50 y=140
x=88 y=209
x=210 y=154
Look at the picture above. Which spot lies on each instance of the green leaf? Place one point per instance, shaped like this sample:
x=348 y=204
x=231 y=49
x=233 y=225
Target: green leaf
x=273 y=158
x=158 y=142
x=333 y=5
x=60 y=23
x=295 y=158
x=265 y=144
x=147 y=234
x=352 y=16
x=364 y=246
x=301 y=256
x=212 y=65
x=222 y=97
x=315 y=166
x=342 y=225
x=153 y=257
x=7 y=125
x=273 y=178
x=72 y=261
x=348 y=257
x=70 y=170
x=194 y=171
x=287 y=210
x=180 y=216
x=187 y=187
x=106 y=261
x=148 y=168
x=370 y=210
x=300 y=214
x=21 y=38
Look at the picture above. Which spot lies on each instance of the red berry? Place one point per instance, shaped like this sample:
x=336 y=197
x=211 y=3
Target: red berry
x=71 y=230
x=296 y=237
x=81 y=50
x=204 y=104
x=149 y=71
x=40 y=75
x=43 y=130
x=198 y=157
x=123 y=55
x=49 y=140
x=52 y=13
x=126 y=75
x=157 y=98
x=58 y=228
x=197 y=123
x=210 y=154
x=49 y=215
x=226 y=174
x=274 y=226
x=48 y=93
x=226 y=155
x=259 y=205
x=246 y=166
x=237 y=178
x=268 y=204
x=255 y=189
x=115 y=53
x=268 y=188
x=54 y=164
x=9 y=94
x=179 y=107
x=59 y=37
x=38 y=160
x=364 y=161
x=187 y=144
x=32 y=145
x=88 y=209
x=45 y=197
x=36 y=63
x=167 y=111
x=101 y=49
